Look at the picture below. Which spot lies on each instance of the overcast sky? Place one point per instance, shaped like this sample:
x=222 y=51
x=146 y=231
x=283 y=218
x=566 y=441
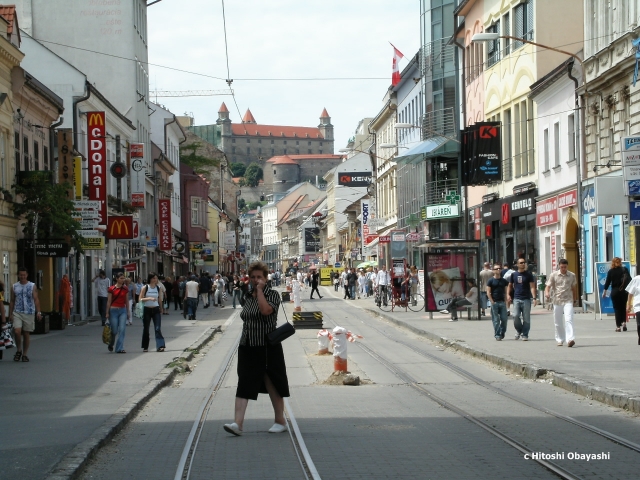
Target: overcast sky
x=282 y=39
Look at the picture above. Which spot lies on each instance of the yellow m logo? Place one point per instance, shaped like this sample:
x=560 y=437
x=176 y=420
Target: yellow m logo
x=121 y=224
x=96 y=119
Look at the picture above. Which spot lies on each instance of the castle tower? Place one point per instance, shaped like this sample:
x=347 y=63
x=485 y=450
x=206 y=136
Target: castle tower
x=325 y=127
x=248 y=118
x=225 y=126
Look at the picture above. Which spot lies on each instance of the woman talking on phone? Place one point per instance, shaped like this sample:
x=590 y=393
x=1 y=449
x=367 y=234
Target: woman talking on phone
x=261 y=367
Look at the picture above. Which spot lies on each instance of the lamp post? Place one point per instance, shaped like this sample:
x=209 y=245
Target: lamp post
x=491 y=37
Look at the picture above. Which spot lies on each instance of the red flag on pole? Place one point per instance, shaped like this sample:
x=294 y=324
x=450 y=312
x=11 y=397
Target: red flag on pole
x=395 y=71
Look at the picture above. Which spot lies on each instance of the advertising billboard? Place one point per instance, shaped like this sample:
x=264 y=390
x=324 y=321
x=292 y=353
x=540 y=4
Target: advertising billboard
x=97 y=157
x=481 y=154
x=311 y=240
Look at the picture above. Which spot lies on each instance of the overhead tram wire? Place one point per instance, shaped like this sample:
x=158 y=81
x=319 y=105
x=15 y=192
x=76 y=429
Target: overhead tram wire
x=310 y=79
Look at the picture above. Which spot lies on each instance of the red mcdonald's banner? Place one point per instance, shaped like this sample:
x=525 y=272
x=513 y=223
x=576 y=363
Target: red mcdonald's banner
x=120 y=228
x=97 y=153
x=164 y=207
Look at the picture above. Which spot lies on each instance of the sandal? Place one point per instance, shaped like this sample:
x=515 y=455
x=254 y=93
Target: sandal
x=17 y=356
x=25 y=358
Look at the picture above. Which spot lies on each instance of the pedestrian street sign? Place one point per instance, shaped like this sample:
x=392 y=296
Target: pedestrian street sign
x=452 y=197
x=84 y=204
x=88 y=233
x=88 y=223
x=86 y=214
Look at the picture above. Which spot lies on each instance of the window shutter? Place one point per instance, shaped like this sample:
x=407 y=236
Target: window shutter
x=529 y=21
x=518 y=25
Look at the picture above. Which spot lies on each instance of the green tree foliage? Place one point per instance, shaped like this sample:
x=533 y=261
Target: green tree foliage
x=238 y=169
x=252 y=175
x=45 y=204
x=201 y=164
x=242 y=205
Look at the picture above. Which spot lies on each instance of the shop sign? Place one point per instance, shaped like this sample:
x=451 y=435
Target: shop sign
x=65 y=160
x=130 y=267
x=164 y=208
x=93 y=243
x=547 y=212
x=521 y=206
x=138 y=174
x=505 y=217
x=152 y=242
x=397 y=237
x=568 y=199
x=442 y=211
x=311 y=240
x=97 y=156
x=630 y=158
x=120 y=227
x=354 y=179
x=369 y=238
x=476 y=224
x=481 y=154
x=50 y=248
x=384 y=239
x=413 y=237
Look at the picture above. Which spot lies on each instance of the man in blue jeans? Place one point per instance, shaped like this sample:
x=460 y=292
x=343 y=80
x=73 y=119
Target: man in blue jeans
x=522 y=291
x=496 y=293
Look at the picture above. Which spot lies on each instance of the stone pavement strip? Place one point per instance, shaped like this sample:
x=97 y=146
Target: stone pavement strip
x=74 y=395
x=601 y=366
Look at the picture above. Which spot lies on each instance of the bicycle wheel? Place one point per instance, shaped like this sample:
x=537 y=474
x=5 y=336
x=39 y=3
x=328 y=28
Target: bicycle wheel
x=385 y=306
x=416 y=304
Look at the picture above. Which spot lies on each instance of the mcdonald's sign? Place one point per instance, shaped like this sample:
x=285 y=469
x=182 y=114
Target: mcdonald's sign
x=120 y=227
x=97 y=156
x=164 y=209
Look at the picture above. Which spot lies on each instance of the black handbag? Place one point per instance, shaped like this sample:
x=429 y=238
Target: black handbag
x=281 y=333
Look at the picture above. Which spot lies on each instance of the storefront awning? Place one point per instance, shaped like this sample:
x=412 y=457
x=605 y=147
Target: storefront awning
x=433 y=147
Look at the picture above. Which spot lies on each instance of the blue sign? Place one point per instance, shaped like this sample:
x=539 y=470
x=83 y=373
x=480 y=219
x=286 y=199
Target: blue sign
x=242 y=248
x=152 y=243
x=633 y=187
x=337 y=265
x=601 y=274
x=588 y=200
x=634 y=214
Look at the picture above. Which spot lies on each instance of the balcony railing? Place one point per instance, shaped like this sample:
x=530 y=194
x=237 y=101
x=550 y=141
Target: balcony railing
x=435 y=192
x=439 y=123
x=435 y=55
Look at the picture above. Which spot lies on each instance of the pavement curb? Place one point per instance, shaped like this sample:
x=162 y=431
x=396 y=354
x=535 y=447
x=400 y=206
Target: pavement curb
x=73 y=463
x=608 y=396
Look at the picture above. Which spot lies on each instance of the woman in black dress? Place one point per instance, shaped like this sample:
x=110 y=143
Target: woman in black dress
x=261 y=367
x=618 y=277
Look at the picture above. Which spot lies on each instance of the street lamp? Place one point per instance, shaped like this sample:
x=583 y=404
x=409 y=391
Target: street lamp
x=492 y=37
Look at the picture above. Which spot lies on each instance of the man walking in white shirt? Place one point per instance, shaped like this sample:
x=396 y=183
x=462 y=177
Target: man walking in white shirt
x=565 y=295
x=383 y=281
x=102 y=285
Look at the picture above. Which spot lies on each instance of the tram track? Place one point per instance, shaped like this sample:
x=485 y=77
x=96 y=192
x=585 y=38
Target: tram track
x=190 y=450
x=510 y=440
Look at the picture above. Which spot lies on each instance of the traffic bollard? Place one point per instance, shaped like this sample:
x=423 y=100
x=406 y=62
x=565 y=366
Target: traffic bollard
x=341 y=337
x=324 y=337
